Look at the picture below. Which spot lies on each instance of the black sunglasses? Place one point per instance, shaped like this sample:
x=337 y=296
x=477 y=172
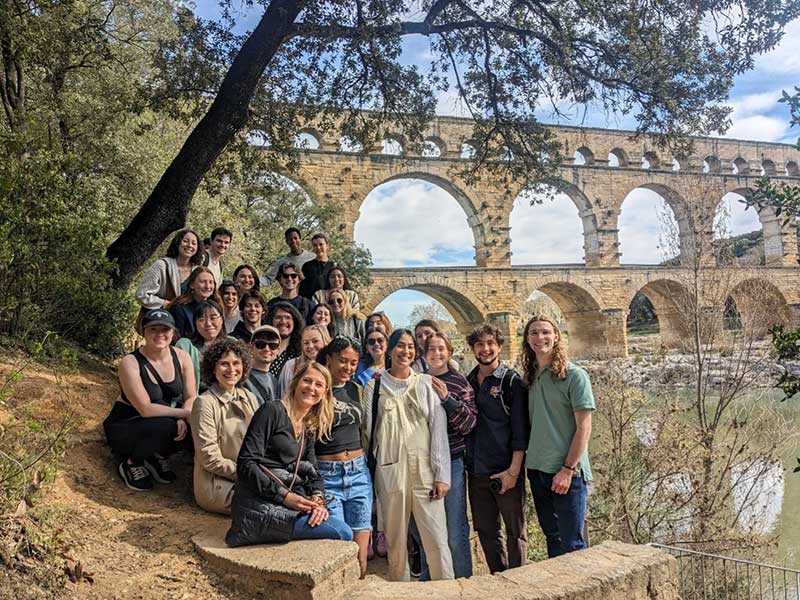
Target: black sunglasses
x=373 y=341
x=261 y=344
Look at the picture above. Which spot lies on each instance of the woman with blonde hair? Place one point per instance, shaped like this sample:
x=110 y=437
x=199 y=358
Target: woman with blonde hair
x=560 y=405
x=345 y=320
x=313 y=339
x=279 y=492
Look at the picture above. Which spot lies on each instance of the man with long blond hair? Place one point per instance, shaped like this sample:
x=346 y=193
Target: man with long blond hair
x=560 y=405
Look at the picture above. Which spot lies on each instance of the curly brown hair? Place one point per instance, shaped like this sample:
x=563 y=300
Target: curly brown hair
x=527 y=357
x=219 y=349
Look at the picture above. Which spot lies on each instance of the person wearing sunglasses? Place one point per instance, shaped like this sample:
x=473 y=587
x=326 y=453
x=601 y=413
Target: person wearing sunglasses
x=346 y=321
x=289 y=280
x=373 y=358
x=264 y=345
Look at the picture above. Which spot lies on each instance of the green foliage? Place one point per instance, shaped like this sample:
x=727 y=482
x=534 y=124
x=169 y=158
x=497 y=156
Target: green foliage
x=787 y=347
x=641 y=314
x=51 y=256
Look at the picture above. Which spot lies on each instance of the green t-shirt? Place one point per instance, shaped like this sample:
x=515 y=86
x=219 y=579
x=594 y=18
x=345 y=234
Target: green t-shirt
x=551 y=406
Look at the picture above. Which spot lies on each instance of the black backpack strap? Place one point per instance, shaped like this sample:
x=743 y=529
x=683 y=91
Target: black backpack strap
x=376 y=394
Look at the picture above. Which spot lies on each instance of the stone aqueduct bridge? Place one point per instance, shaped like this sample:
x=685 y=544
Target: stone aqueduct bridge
x=594 y=296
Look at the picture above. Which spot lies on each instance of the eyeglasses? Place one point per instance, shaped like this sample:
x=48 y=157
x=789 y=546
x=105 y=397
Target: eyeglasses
x=209 y=319
x=261 y=344
x=290 y=276
x=376 y=341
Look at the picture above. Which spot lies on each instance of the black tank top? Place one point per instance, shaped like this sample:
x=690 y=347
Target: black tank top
x=160 y=392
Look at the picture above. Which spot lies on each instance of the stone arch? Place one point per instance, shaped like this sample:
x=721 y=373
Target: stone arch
x=619 y=156
x=679 y=208
x=775 y=242
x=462 y=198
x=393 y=144
x=591 y=237
x=760 y=304
x=586 y=156
x=711 y=164
x=466 y=308
x=740 y=166
x=768 y=168
x=670 y=300
x=650 y=160
x=792 y=170
x=312 y=133
x=586 y=320
x=438 y=143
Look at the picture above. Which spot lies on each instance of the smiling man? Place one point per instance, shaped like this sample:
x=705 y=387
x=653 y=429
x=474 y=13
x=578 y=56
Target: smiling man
x=496 y=451
x=297 y=256
x=220 y=242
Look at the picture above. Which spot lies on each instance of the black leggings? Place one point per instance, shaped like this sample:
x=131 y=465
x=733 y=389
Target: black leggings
x=142 y=437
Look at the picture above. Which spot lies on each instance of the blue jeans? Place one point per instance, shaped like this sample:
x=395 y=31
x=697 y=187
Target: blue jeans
x=332 y=528
x=348 y=481
x=560 y=515
x=455 y=505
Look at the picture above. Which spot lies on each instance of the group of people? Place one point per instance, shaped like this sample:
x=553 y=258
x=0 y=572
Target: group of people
x=307 y=420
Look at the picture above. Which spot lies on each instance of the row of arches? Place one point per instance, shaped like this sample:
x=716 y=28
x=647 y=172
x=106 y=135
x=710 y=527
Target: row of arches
x=753 y=305
x=435 y=147
x=426 y=221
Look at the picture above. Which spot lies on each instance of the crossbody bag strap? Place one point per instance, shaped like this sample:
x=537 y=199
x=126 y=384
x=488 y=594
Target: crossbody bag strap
x=296 y=464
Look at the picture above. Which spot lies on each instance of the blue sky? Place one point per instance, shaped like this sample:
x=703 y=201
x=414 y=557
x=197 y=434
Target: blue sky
x=390 y=224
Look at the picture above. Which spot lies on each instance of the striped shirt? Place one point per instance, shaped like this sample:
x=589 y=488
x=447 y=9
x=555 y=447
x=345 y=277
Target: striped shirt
x=462 y=412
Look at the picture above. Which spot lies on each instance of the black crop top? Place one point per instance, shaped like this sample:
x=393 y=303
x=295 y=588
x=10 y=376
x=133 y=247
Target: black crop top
x=348 y=414
x=167 y=393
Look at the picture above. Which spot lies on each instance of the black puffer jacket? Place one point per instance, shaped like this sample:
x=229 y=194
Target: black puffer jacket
x=264 y=470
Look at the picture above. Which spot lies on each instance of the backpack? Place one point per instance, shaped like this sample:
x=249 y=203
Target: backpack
x=506 y=389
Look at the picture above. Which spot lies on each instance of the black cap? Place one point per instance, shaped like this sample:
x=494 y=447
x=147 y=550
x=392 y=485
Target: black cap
x=159 y=316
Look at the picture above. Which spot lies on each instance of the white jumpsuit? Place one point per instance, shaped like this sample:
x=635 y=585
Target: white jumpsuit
x=407 y=425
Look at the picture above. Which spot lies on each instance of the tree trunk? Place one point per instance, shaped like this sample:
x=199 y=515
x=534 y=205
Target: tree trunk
x=166 y=208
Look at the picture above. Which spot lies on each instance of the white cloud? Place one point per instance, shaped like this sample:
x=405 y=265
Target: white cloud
x=732 y=217
x=754 y=104
x=414 y=222
x=646 y=229
x=758 y=127
x=785 y=58
x=546 y=233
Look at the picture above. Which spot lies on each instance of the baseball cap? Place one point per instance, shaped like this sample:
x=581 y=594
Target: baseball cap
x=266 y=329
x=158 y=316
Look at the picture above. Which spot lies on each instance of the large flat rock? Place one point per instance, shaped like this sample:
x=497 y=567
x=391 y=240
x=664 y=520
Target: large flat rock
x=318 y=569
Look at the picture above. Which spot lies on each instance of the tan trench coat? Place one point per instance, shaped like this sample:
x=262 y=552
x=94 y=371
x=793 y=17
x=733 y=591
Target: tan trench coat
x=219 y=421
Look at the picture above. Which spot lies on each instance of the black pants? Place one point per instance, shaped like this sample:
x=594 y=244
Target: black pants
x=487 y=508
x=142 y=437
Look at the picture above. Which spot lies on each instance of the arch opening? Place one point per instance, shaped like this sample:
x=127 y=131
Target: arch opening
x=650 y=160
x=757 y=236
x=659 y=307
x=758 y=305
x=581 y=319
x=583 y=156
x=418 y=219
x=792 y=170
x=306 y=140
x=350 y=145
x=653 y=226
x=768 y=168
x=433 y=147
x=711 y=164
x=740 y=166
x=618 y=158
x=392 y=146
x=467 y=151
x=554 y=224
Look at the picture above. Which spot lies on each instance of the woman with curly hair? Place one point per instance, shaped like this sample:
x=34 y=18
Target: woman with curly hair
x=166 y=278
x=219 y=420
x=560 y=404
x=279 y=493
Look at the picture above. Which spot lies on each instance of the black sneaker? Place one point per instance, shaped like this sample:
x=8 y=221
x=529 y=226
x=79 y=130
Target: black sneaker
x=160 y=469
x=135 y=476
x=416 y=565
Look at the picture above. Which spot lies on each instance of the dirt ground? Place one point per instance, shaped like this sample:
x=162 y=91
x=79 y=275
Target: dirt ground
x=134 y=544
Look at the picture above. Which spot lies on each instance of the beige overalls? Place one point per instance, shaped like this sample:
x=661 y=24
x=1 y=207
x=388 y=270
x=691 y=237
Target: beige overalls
x=403 y=480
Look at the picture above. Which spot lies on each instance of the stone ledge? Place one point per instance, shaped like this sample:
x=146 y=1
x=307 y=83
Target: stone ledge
x=610 y=571
x=302 y=570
